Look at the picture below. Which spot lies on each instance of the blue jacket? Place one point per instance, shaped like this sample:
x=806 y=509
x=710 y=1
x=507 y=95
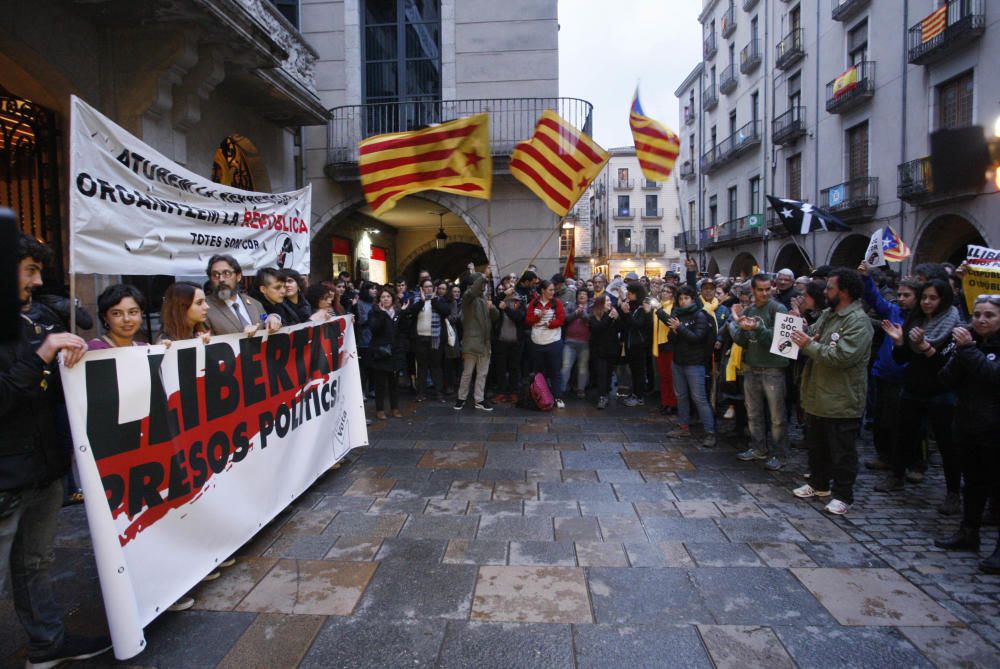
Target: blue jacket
x=885 y=367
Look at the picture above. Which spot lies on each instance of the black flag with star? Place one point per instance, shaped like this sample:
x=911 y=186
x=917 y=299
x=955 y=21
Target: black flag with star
x=801 y=218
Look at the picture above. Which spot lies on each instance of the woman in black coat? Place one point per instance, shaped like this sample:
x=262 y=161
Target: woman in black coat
x=973 y=371
x=604 y=344
x=387 y=350
x=692 y=333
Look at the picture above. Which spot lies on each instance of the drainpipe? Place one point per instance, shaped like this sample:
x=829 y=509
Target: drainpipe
x=902 y=116
x=815 y=262
x=701 y=145
x=764 y=135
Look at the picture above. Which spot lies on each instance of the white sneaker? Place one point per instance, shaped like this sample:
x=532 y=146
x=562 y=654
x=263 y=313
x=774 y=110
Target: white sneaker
x=837 y=508
x=807 y=491
x=182 y=604
x=560 y=404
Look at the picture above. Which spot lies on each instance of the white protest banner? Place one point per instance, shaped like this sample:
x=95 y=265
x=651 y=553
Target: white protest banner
x=781 y=342
x=185 y=453
x=134 y=211
x=874 y=256
x=981 y=256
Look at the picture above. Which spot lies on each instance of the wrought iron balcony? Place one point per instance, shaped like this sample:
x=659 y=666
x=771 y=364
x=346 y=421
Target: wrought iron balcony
x=728 y=79
x=851 y=89
x=687 y=170
x=686 y=241
x=651 y=213
x=738 y=231
x=963 y=21
x=749 y=4
x=654 y=250
x=788 y=127
x=710 y=47
x=729 y=21
x=688 y=115
x=853 y=201
x=651 y=185
x=915 y=184
x=750 y=56
x=624 y=184
x=622 y=213
x=789 y=50
x=512 y=120
x=623 y=250
x=845 y=10
x=732 y=147
x=710 y=98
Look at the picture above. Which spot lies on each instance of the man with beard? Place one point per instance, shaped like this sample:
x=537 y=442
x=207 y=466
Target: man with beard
x=231 y=311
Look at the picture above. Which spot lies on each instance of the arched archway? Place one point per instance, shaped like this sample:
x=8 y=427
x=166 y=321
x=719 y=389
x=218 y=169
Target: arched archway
x=446 y=263
x=713 y=266
x=849 y=251
x=792 y=257
x=944 y=240
x=743 y=265
x=237 y=163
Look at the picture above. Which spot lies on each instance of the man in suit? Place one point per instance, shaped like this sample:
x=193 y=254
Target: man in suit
x=233 y=312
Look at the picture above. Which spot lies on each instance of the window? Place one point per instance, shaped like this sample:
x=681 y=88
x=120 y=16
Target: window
x=755 y=106
x=691 y=212
x=754 y=32
x=795 y=19
x=711 y=77
x=652 y=241
x=714 y=137
x=793 y=177
x=733 y=204
x=713 y=211
x=857 y=151
x=857 y=43
x=622 y=175
x=623 y=205
x=624 y=240
x=754 y=195
x=651 y=201
x=955 y=102
x=795 y=91
x=691 y=101
x=732 y=122
x=691 y=149
x=567 y=239
x=732 y=55
x=289 y=9
x=402 y=52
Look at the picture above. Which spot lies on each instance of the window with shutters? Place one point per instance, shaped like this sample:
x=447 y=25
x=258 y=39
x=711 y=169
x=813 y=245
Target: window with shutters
x=857 y=43
x=955 y=99
x=793 y=177
x=857 y=151
x=651 y=202
x=624 y=240
x=652 y=241
x=795 y=90
x=732 y=122
x=713 y=211
x=733 y=204
x=754 y=201
x=567 y=240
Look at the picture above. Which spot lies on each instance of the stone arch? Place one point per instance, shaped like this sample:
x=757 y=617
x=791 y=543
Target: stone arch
x=742 y=264
x=793 y=257
x=713 y=266
x=849 y=250
x=943 y=238
x=431 y=246
x=237 y=163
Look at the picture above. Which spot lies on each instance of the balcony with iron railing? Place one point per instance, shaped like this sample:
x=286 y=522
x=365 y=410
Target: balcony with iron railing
x=710 y=98
x=622 y=213
x=732 y=147
x=788 y=127
x=789 y=50
x=710 y=47
x=728 y=21
x=624 y=184
x=686 y=170
x=686 y=241
x=750 y=56
x=688 y=115
x=749 y=4
x=738 y=231
x=853 y=201
x=915 y=184
x=851 y=89
x=651 y=213
x=651 y=185
x=728 y=79
x=650 y=250
x=936 y=37
x=845 y=10
x=620 y=250
x=512 y=120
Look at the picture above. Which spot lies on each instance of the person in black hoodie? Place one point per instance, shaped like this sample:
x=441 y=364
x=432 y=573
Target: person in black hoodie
x=32 y=466
x=637 y=332
x=973 y=371
x=604 y=344
x=388 y=349
x=692 y=331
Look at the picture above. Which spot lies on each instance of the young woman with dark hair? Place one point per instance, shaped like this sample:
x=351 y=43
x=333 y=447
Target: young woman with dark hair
x=120 y=309
x=387 y=350
x=184 y=313
x=295 y=294
x=692 y=330
x=545 y=316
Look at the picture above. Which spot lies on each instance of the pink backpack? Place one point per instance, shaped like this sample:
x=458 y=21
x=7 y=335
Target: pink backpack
x=540 y=393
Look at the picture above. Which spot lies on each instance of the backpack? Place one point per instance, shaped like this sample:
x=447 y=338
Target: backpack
x=535 y=394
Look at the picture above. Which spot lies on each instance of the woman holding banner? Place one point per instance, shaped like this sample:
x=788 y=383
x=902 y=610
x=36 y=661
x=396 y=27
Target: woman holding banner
x=184 y=313
x=387 y=350
x=120 y=309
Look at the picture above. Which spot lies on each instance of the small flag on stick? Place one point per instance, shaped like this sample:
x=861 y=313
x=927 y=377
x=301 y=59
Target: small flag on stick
x=886 y=245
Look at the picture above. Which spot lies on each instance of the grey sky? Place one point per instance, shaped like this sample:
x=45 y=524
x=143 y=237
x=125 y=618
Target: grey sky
x=606 y=46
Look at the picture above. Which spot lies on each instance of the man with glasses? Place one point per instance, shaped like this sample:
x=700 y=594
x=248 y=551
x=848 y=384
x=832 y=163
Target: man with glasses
x=232 y=312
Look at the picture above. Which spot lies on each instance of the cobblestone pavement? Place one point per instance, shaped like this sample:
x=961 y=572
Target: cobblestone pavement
x=580 y=538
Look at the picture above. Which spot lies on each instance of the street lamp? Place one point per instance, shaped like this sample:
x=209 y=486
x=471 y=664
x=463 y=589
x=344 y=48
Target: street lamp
x=441 y=238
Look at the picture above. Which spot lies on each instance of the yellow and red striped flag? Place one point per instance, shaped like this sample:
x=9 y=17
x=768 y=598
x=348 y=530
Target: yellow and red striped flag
x=557 y=163
x=656 y=147
x=934 y=24
x=845 y=82
x=453 y=157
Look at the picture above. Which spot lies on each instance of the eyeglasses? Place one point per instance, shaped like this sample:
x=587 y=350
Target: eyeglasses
x=224 y=274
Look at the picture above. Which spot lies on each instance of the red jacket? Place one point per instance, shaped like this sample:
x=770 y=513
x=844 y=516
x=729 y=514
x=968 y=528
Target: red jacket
x=558 y=319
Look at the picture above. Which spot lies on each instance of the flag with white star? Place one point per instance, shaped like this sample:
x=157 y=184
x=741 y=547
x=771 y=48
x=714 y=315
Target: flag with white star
x=801 y=218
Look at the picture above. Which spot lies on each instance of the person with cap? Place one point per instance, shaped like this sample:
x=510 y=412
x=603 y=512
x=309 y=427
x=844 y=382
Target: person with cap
x=671 y=279
x=631 y=278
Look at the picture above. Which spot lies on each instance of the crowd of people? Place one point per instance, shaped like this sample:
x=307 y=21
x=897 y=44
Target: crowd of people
x=902 y=357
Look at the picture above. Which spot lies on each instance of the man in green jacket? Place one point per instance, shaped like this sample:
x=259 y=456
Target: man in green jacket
x=834 y=385
x=478 y=314
x=763 y=375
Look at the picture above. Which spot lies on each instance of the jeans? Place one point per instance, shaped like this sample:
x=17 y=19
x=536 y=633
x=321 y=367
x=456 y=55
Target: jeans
x=761 y=385
x=26 y=539
x=429 y=359
x=480 y=364
x=689 y=383
x=833 y=454
x=577 y=352
x=547 y=359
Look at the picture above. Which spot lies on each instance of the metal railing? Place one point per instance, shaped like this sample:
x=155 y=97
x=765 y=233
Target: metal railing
x=853 y=93
x=621 y=213
x=686 y=170
x=732 y=147
x=729 y=21
x=624 y=184
x=710 y=98
x=651 y=185
x=511 y=120
x=625 y=249
x=749 y=4
x=728 y=79
x=854 y=196
x=788 y=127
x=710 y=47
x=745 y=227
x=654 y=249
x=965 y=22
x=914 y=179
x=651 y=213
x=789 y=50
x=688 y=115
x=845 y=10
x=750 y=56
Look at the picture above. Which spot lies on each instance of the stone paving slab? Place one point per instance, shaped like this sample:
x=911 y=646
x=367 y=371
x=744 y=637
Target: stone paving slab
x=638 y=596
x=531 y=594
x=648 y=646
x=327 y=587
x=375 y=644
x=273 y=640
x=506 y=645
x=742 y=646
x=815 y=647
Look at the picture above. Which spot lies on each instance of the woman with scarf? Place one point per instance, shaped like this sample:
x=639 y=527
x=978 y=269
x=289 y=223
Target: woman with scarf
x=692 y=330
x=604 y=345
x=923 y=344
x=973 y=371
x=576 y=347
x=387 y=350
x=663 y=350
x=545 y=316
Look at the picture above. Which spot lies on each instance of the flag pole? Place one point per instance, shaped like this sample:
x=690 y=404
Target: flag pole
x=559 y=222
x=803 y=253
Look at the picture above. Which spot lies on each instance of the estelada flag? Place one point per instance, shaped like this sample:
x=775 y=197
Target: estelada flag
x=569 y=271
x=557 y=163
x=656 y=147
x=452 y=157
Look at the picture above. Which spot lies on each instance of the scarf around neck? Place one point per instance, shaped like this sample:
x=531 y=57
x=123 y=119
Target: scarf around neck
x=937 y=329
x=686 y=311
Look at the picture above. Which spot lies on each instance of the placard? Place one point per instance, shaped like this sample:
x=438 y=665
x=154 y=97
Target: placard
x=784 y=326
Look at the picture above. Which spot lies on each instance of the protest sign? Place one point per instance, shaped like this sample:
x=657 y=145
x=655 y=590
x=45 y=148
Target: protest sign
x=979 y=280
x=981 y=256
x=781 y=342
x=186 y=452
x=134 y=211
x=874 y=257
